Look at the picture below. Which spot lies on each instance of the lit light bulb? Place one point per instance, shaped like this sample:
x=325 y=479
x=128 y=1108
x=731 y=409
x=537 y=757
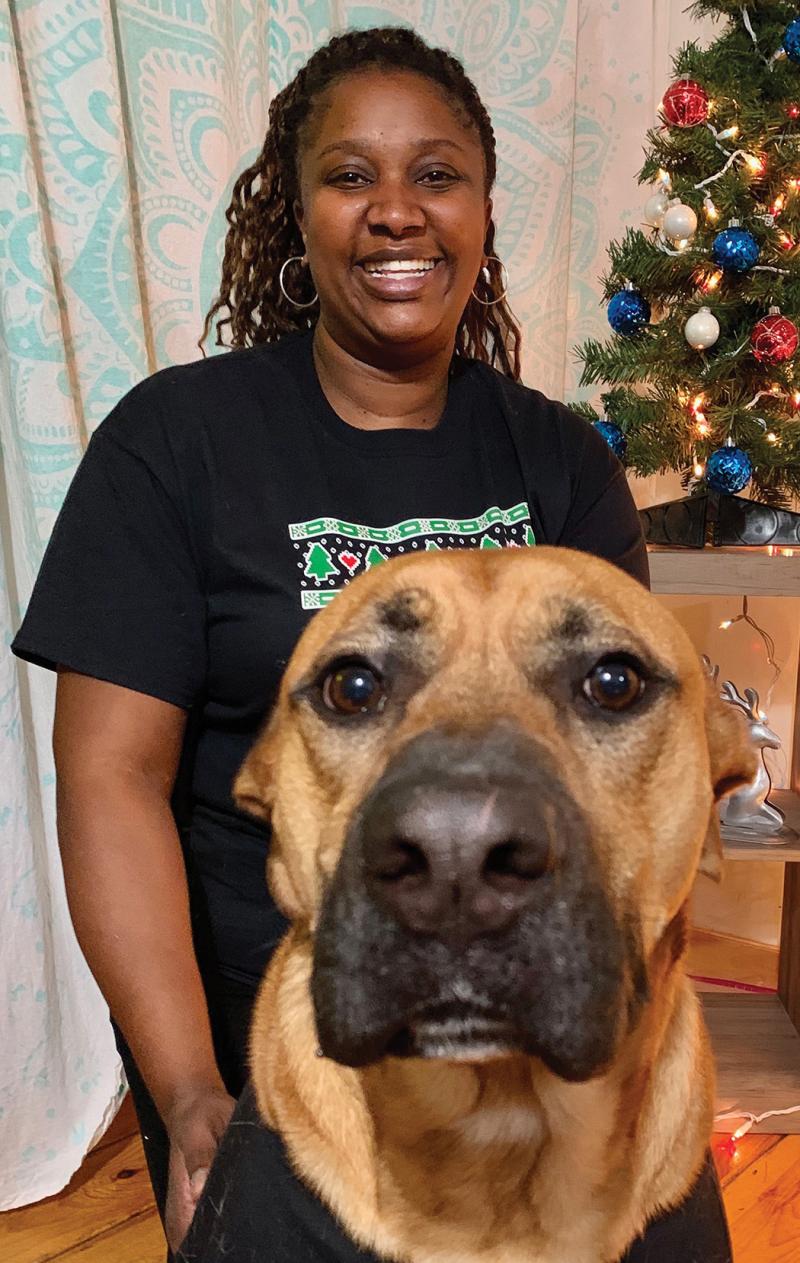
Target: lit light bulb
x=710 y=209
x=713 y=281
x=728 y=623
x=729 y=132
x=796 y=399
x=699 y=469
x=703 y=427
x=772 y=437
x=755 y=164
x=778 y=204
x=665 y=178
x=698 y=402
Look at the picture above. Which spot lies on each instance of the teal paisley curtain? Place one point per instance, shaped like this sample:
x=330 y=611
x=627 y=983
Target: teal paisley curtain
x=122 y=123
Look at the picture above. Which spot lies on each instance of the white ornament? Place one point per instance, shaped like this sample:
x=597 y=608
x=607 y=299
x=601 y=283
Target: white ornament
x=655 y=208
x=680 y=222
x=702 y=329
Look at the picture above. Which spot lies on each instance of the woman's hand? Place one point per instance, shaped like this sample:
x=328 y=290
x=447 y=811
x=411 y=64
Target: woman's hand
x=195 y=1124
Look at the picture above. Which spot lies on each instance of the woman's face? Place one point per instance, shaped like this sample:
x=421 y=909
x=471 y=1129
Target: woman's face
x=393 y=212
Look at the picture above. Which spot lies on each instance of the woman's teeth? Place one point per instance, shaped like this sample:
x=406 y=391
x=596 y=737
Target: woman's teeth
x=395 y=266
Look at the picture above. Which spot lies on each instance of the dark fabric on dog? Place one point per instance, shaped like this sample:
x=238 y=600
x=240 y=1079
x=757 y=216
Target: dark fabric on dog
x=221 y=500
x=255 y=1210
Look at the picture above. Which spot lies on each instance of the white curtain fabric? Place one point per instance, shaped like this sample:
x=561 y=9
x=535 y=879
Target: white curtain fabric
x=122 y=124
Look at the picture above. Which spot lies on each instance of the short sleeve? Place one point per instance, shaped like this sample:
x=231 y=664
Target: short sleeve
x=602 y=517
x=120 y=595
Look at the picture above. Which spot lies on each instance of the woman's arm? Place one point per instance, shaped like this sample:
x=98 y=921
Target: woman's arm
x=117 y=753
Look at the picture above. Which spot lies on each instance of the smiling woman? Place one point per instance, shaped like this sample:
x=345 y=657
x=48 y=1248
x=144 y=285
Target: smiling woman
x=369 y=408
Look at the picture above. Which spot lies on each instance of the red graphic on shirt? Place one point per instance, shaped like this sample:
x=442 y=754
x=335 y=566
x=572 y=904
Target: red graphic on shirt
x=349 y=560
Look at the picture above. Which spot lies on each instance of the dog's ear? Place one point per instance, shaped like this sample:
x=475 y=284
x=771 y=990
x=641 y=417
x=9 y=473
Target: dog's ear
x=733 y=761
x=253 y=787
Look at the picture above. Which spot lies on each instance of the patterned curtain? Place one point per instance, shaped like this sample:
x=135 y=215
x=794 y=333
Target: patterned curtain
x=122 y=125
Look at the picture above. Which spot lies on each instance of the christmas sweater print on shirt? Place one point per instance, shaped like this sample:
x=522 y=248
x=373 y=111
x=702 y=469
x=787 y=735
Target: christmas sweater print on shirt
x=331 y=552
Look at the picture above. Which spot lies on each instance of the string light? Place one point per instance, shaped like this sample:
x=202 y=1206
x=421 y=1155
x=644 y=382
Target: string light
x=771 y=437
x=778 y=204
x=755 y=164
x=699 y=469
x=752 y=1120
x=712 y=282
x=769 y=644
x=729 y=132
x=710 y=208
x=665 y=178
x=793 y=111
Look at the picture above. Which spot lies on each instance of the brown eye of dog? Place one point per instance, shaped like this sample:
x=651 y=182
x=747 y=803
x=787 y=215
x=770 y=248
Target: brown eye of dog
x=353 y=689
x=613 y=685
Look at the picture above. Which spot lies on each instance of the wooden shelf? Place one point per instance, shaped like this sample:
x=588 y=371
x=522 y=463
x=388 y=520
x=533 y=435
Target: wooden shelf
x=789 y=803
x=724 y=572
x=758 y=1059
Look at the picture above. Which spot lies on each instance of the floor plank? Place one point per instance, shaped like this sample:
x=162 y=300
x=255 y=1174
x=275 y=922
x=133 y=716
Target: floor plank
x=763 y=1206
x=110 y=1188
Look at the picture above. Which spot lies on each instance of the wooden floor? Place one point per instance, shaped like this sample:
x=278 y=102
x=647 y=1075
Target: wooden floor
x=106 y=1215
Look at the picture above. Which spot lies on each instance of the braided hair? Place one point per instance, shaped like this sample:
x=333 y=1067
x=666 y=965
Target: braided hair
x=263 y=232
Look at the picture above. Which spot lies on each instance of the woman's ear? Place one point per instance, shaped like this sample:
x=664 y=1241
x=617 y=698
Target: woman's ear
x=733 y=761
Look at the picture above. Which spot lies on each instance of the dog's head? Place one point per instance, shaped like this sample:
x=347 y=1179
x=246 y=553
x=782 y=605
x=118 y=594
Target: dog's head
x=492 y=779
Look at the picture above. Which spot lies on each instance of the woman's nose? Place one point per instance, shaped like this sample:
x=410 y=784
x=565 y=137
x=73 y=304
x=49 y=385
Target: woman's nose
x=395 y=210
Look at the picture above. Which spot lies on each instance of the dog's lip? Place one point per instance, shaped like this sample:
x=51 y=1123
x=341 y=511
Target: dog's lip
x=455 y=1032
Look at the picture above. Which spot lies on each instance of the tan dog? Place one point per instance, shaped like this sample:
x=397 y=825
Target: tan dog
x=492 y=779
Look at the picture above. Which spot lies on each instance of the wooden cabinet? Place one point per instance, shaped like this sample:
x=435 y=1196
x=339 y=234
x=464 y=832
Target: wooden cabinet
x=755 y=1037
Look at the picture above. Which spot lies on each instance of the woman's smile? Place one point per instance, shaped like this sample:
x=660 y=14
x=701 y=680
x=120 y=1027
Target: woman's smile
x=401 y=275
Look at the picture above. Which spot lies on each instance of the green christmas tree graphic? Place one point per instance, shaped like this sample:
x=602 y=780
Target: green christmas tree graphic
x=319 y=566
x=373 y=558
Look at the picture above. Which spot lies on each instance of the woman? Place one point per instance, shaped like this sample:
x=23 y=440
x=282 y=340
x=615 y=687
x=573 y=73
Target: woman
x=223 y=501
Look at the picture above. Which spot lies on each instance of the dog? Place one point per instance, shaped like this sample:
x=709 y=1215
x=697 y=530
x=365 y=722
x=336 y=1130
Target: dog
x=492 y=779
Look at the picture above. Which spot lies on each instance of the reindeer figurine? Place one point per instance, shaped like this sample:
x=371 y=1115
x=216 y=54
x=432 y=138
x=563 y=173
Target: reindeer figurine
x=749 y=808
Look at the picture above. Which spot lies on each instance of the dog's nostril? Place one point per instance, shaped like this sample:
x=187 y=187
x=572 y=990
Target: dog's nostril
x=513 y=861
x=404 y=859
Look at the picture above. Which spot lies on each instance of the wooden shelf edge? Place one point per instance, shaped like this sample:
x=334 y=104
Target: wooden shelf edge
x=723 y=572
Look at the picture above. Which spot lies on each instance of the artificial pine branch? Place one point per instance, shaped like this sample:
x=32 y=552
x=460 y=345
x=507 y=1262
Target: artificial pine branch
x=652 y=379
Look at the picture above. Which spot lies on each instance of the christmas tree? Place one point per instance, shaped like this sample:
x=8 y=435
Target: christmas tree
x=318 y=564
x=702 y=374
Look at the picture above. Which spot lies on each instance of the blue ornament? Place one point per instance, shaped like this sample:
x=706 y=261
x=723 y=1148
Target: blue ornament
x=628 y=312
x=728 y=470
x=791 y=40
x=614 y=436
x=735 y=250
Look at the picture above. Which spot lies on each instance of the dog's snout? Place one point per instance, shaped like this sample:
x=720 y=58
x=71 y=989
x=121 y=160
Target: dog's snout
x=455 y=860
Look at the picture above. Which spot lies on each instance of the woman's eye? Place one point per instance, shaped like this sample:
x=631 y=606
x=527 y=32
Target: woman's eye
x=613 y=685
x=353 y=690
x=349 y=179
x=438 y=176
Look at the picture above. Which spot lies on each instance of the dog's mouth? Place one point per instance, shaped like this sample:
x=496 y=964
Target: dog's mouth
x=455 y=1034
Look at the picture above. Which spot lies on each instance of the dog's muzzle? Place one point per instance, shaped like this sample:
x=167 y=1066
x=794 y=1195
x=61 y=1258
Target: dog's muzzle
x=467 y=916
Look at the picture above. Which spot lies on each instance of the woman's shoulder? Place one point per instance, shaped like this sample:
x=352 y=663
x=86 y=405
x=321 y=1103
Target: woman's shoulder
x=177 y=404
x=541 y=419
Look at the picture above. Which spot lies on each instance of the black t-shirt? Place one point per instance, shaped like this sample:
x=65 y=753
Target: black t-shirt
x=222 y=502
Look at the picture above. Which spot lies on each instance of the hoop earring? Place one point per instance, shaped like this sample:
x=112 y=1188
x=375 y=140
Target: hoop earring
x=294 y=259
x=504 y=277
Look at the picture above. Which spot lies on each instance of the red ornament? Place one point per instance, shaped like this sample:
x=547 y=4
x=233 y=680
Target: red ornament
x=774 y=339
x=685 y=103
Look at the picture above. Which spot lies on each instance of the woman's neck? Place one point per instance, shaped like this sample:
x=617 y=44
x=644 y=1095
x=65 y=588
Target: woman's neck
x=371 y=397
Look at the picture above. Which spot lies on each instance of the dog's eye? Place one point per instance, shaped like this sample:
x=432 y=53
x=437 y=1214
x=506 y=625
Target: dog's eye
x=613 y=685
x=353 y=689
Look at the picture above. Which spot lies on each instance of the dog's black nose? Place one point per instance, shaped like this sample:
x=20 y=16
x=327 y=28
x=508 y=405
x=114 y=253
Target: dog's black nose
x=453 y=858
